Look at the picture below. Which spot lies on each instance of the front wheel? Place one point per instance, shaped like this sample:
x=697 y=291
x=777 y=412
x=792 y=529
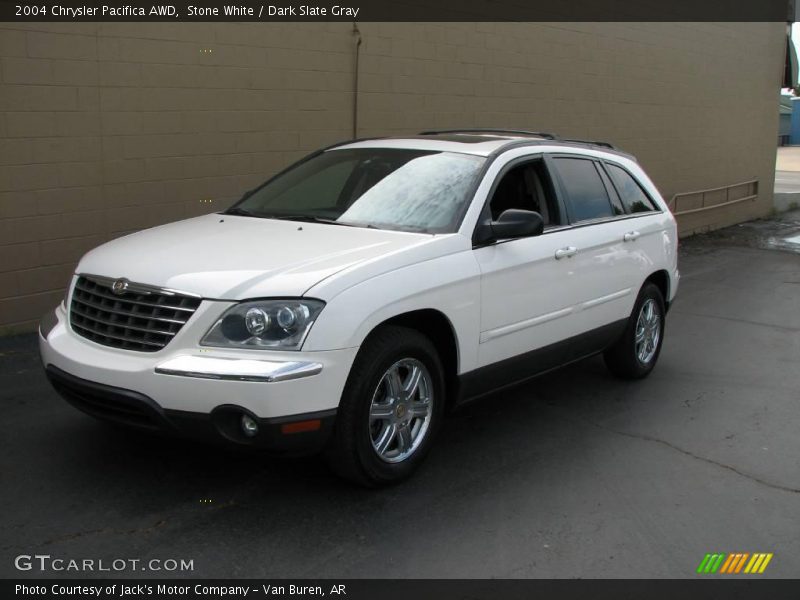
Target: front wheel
x=390 y=410
x=635 y=354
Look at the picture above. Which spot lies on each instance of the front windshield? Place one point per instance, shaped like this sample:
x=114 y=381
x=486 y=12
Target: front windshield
x=411 y=190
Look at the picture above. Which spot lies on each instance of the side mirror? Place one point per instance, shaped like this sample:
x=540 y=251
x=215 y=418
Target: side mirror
x=517 y=223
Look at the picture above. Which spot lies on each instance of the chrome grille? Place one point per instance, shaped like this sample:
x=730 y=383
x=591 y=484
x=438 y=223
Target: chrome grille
x=136 y=319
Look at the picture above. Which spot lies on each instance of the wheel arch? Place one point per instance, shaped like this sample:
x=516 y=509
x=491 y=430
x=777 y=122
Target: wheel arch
x=438 y=328
x=660 y=279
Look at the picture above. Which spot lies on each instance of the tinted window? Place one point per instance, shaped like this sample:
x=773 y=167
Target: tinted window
x=631 y=193
x=586 y=194
x=616 y=203
x=318 y=191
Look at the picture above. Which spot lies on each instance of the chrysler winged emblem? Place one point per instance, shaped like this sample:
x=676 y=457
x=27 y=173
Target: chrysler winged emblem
x=119 y=286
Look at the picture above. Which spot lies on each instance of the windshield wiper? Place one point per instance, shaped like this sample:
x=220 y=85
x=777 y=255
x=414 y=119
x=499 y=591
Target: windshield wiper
x=309 y=219
x=241 y=212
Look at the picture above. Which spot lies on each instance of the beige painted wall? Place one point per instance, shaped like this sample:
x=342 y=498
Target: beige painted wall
x=109 y=128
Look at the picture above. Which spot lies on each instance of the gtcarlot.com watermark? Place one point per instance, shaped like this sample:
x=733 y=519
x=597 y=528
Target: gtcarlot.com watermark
x=45 y=563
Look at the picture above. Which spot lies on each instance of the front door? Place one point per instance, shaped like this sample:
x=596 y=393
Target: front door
x=527 y=287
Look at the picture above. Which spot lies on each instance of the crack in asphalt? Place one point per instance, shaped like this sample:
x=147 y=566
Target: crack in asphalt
x=79 y=534
x=688 y=403
x=89 y=532
x=711 y=461
x=157 y=525
x=113 y=531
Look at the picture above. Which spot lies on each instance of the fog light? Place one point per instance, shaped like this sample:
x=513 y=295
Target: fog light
x=249 y=426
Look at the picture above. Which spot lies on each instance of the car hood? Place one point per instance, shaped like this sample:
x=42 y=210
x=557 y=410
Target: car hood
x=234 y=258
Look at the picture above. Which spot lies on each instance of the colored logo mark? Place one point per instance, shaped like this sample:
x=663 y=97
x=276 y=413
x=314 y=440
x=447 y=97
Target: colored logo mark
x=738 y=562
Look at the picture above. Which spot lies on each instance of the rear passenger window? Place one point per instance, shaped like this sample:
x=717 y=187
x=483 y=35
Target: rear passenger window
x=633 y=196
x=586 y=194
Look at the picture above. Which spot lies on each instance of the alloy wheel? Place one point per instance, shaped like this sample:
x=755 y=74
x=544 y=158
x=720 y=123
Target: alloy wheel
x=401 y=409
x=648 y=331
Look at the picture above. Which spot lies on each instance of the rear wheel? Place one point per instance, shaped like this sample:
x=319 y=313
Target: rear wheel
x=390 y=410
x=635 y=354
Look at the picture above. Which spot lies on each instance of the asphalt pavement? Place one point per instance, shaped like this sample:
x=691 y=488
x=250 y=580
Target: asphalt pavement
x=575 y=474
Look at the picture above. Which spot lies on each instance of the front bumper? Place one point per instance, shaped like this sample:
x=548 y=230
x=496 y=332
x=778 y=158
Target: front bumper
x=296 y=434
x=195 y=390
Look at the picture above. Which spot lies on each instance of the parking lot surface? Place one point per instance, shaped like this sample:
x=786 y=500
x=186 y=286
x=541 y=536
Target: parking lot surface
x=575 y=474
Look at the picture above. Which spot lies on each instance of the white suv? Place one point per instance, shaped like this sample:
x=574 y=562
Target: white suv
x=344 y=304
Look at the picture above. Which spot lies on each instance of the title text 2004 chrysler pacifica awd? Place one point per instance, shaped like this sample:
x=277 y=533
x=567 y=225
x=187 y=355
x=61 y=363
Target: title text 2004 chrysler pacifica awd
x=343 y=305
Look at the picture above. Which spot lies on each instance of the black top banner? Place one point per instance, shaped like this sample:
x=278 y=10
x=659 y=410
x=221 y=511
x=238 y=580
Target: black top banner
x=403 y=10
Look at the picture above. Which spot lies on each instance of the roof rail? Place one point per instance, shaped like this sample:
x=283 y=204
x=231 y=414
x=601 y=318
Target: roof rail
x=592 y=143
x=542 y=134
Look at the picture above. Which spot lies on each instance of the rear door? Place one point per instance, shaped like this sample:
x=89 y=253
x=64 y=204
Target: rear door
x=643 y=231
x=606 y=265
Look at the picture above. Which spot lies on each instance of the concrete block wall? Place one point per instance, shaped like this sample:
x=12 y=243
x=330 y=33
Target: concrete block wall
x=107 y=128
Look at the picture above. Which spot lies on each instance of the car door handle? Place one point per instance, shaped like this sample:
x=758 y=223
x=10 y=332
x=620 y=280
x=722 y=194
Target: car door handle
x=631 y=236
x=566 y=252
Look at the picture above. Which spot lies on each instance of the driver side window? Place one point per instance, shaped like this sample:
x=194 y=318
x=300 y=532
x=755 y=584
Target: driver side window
x=526 y=186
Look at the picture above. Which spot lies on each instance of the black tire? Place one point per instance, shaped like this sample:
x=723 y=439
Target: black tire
x=350 y=451
x=623 y=359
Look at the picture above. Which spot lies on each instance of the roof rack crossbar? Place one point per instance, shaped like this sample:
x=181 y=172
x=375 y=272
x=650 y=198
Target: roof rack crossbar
x=542 y=134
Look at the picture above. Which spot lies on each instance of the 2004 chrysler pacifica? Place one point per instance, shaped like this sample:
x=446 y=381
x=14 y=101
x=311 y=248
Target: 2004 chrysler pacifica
x=344 y=304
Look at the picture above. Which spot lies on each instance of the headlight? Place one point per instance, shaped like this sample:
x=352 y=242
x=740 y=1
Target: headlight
x=264 y=324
